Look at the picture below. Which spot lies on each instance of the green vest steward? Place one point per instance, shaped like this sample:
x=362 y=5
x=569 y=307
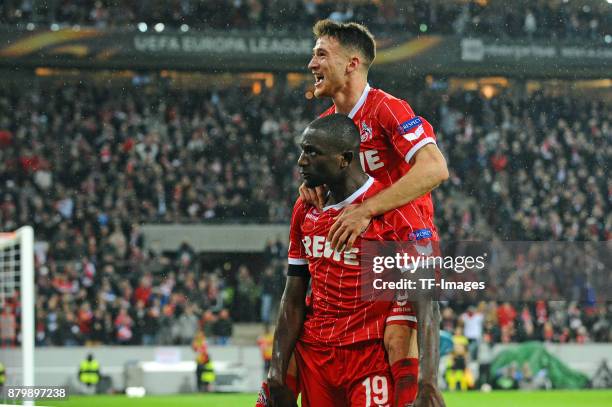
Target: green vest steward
x=89 y=372
x=208 y=373
x=2 y=374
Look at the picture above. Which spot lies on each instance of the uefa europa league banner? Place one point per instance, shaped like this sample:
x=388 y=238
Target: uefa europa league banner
x=216 y=51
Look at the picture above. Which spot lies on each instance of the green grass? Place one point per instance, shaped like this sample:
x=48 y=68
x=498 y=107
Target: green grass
x=587 y=398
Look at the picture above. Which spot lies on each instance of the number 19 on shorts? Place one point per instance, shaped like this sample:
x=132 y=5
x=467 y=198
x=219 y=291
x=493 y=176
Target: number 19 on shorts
x=376 y=391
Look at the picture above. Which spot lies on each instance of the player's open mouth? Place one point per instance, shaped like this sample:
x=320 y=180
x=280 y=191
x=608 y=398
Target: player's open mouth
x=318 y=79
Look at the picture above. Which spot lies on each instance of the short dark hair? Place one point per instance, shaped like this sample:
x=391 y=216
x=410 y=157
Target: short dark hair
x=348 y=35
x=339 y=131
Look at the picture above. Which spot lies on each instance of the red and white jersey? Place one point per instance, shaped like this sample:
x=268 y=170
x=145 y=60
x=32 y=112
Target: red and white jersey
x=391 y=134
x=337 y=315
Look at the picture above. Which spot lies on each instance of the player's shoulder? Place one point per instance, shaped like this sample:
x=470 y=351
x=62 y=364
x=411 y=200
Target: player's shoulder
x=300 y=203
x=330 y=110
x=299 y=206
x=384 y=103
x=378 y=95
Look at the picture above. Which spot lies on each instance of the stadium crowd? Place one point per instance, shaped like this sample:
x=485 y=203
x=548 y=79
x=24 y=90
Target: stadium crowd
x=537 y=164
x=86 y=165
x=548 y=19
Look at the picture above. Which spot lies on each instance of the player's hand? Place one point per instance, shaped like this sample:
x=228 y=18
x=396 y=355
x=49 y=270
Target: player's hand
x=429 y=396
x=313 y=196
x=351 y=223
x=281 y=395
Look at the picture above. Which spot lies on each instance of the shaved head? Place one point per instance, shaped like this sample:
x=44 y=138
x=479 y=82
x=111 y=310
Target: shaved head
x=338 y=132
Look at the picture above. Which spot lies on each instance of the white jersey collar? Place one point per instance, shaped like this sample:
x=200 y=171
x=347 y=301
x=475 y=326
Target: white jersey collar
x=360 y=102
x=349 y=200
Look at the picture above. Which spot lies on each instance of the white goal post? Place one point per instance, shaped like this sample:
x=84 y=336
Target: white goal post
x=17 y=269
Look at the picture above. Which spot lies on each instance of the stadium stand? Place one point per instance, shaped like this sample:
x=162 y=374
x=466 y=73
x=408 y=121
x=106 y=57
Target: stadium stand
x=86 y=165
x=547 y=19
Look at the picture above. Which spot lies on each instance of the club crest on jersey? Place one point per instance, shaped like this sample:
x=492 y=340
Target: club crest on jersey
x=366 y=132
x=313 y=215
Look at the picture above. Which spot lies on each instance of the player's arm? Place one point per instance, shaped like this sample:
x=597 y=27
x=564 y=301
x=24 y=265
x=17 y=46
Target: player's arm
x=427 y=172
x=428 y=327
x=291 y=313
x=288 y=327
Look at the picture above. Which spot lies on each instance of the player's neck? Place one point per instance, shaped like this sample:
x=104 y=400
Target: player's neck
x=349 y=95
x=338 y=192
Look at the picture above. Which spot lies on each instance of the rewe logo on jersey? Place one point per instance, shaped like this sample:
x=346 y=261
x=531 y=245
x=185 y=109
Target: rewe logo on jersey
x=318 y=246
x=370 y=160
x=366 y=132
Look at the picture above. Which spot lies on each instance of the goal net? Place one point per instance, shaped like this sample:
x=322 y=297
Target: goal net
x=17 y=306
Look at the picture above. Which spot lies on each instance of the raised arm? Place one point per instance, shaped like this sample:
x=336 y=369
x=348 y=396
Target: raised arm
x=288 y=327
x=428 y=171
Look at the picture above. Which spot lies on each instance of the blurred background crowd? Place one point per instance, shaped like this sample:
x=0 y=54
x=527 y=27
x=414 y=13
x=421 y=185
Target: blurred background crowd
x=551 y=19
x=86 y=165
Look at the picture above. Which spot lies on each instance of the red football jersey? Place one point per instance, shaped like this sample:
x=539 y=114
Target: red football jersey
x=390 y=136
x=337 y=315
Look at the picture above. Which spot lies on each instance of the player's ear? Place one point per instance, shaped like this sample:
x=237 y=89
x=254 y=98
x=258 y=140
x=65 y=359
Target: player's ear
x=347 y=159
x=354 y=63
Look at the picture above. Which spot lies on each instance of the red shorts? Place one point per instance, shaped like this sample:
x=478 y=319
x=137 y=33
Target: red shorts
x=402 y=311
x=334 y=376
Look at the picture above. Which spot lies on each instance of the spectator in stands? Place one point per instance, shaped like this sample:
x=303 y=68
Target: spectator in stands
x=268 y=292
x=138 y=315
x=530 y=26
x=84 y=321
x=123 y=327
x=70 y=333
x=473 y=321
x=150 y=324
x=208 y=322
x=506 y=315
x=601 y=327
x=165 y=336
x=186 y=326
x=8 y=328
x=247 y=295
x=223 y=328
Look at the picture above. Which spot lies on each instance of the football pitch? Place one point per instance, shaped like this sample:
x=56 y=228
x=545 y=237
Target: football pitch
x=590 y=398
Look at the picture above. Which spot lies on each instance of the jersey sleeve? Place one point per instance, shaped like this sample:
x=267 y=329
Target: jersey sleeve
x=407 y=132
x=408 y=226
x=297 y=252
